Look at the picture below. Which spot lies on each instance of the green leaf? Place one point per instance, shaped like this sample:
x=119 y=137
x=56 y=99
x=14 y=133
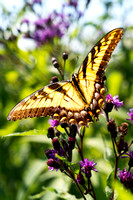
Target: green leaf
x=62 y=195
x=29 y=179
x=109 y=182
x=27 y=133
x=123 y=193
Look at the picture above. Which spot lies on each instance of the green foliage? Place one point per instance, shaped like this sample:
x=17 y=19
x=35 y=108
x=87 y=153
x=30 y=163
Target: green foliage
x=122 y=193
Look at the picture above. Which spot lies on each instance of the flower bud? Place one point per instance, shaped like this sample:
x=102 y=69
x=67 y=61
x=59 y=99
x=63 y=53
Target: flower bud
x=73 y=130
x=53 y=59
x=123 y=128
x=57 y=133
x=108 y=106
x=112 y=128
x=56 y=143
x=80 y=179
x=54 y=79
x=48 y=152
x=65 y=145
x=64 y=125
x=71 y=142
x=65 y=56
x=52 y=163
x=55 y=63
x=122 y=145
x=130 y=163
x=50 y=132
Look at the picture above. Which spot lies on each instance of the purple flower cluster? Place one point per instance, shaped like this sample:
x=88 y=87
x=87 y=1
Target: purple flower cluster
x=126 y=178
x=53 y=122
x=46 y=29
x=87 y=166
x=60 y=148
x=62 y=145
x=114 y=100
x=130 y=113
x=36 y=1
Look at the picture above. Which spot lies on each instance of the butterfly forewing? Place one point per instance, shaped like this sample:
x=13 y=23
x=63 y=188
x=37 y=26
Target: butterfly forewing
x=93 y=67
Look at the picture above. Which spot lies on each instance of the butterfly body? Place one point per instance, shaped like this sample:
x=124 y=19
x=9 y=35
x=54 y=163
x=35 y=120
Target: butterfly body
x=78 y=100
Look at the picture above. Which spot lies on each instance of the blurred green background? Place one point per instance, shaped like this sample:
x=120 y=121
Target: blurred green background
x=25 y=67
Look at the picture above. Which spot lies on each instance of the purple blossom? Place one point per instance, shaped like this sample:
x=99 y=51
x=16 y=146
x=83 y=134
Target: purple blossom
x=40 y=23
x=43 y=35
x=87 y=166
x=115 y=101
x=126 y=178
x=130 y=156
x=50 y=153
x=51 y=168
x=27 y=21
x=46 y=29
x=130 y=113
x=53 y=122
x=37 y=1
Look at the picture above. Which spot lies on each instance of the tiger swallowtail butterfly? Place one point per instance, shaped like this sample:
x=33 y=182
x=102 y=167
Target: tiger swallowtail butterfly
x=78 y=100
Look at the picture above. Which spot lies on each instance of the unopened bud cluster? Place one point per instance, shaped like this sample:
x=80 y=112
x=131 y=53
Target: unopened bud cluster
x=61 y=146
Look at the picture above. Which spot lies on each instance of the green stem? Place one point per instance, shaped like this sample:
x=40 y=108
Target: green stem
x=79 y=150
x=93 y=193
x=115 y=172
x=73 y=177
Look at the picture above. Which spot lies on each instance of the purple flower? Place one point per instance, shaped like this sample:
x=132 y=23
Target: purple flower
x=37 y=1
x=50 y=153
x=130 y=113
x=45 y=29
x=53 y=161
x=53 y=122
x=126 y=178
x=40 y=23
x=27 y=21
x=87 y=166
x=115 y=101
x=130 y=156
